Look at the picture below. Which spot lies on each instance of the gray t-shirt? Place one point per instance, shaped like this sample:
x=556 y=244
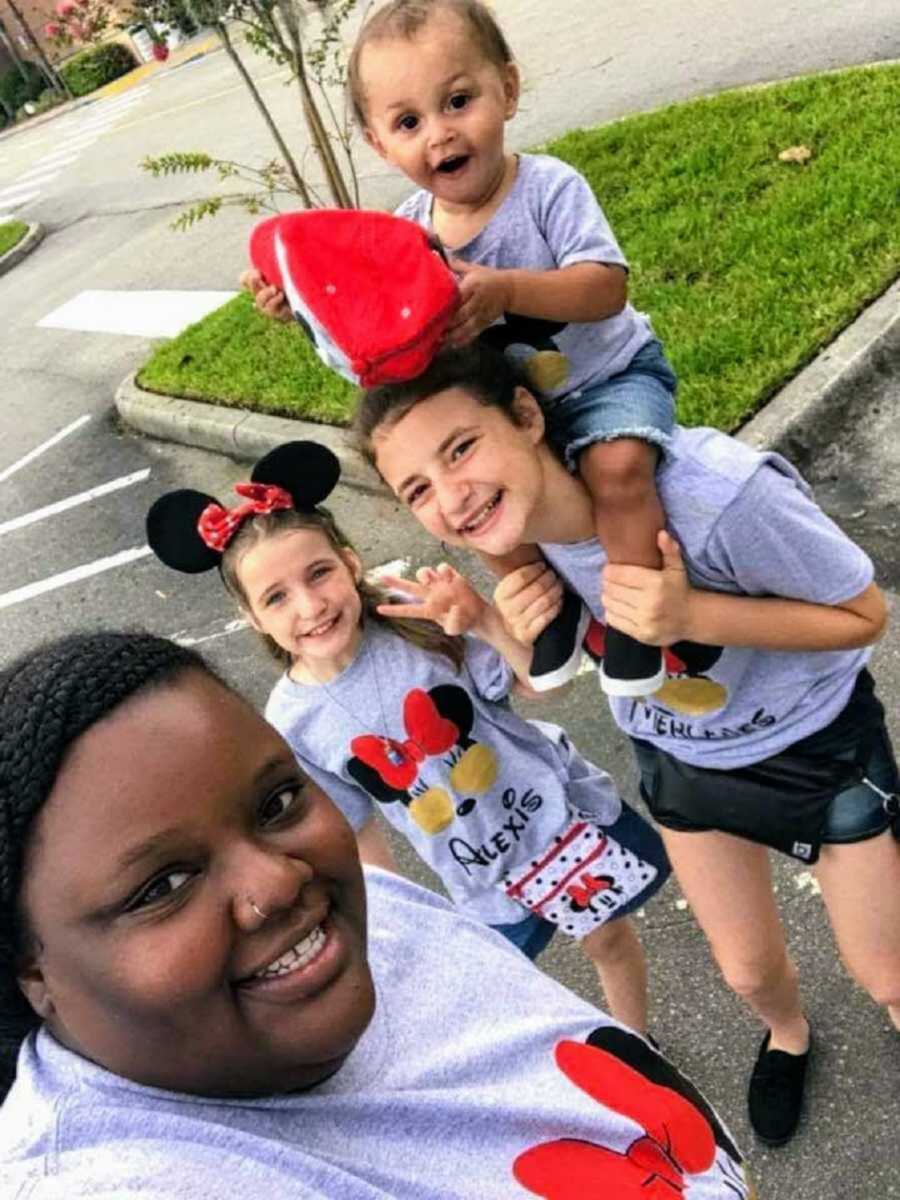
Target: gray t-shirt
x=746 y=525
x=474 y=1080
x=486 y=791
x=550 y=218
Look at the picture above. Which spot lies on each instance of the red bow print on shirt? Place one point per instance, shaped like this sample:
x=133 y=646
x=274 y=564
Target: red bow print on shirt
x=427 y=733
x=678 y=1141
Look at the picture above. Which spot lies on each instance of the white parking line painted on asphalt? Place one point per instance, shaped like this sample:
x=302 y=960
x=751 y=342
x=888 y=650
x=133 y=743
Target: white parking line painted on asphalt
x=397 y=566
x=43 y=447
x=16 y=197
x=81 y=141
x=108 y=113
x=106 y=116
x=228 y=627
x=40 y=172
x=75 y=575
x=141 y=314
x=65 y=153
x=94 y=493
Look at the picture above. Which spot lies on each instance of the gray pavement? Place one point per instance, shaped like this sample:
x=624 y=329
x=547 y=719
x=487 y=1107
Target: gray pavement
x=107 y=228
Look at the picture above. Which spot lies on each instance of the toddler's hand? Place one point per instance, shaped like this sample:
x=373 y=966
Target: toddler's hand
x=483 y=297
x=528 y=599
x=441 y=595
x=267 y=299
x=651 y=605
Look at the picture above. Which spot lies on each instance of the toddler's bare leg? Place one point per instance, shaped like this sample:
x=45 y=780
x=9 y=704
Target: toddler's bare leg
x=621 y=478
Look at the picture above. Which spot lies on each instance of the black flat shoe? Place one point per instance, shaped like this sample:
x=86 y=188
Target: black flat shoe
x=556 y=655
x=775 y=1097
x=629 y=667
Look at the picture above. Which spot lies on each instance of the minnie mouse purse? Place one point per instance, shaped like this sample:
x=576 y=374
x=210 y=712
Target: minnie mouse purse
x=585 y=878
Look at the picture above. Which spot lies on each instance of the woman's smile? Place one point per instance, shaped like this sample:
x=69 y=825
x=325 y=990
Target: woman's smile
x=302 y=971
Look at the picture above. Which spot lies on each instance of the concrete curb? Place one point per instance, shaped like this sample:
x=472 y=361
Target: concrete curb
x=240 y=434
x=808 y=411
x=802 y=417
x=33 y=237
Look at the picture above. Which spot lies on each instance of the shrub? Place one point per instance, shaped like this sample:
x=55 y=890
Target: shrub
x=93 y=68
x=46 y=100
x=15 y=91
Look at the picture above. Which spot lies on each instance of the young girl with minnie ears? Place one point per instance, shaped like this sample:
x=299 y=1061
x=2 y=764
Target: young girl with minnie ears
x=772 y=736
x=386 y=704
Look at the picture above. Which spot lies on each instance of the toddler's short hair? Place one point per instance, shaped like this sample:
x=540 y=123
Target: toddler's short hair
x=404 y=19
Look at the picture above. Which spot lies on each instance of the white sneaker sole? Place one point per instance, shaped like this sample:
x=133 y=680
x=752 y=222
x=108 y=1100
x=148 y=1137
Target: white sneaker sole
x=632 y=688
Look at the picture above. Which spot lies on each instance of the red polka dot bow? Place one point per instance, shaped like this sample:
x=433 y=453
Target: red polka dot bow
x=218 y=525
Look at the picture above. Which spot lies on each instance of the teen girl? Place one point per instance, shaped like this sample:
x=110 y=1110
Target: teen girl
x=768 y=731
x=407 y=716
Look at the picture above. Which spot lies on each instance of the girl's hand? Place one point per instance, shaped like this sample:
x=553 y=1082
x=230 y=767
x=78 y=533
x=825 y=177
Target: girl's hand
x=528 y=599
x=442 y=595
x=654 y=606
x=267 y=299
x=483 y=297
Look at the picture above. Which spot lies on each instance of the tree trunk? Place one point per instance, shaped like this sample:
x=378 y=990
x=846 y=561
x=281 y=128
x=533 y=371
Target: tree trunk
x=340 y=193
x=13 y=51
x=52 y=76
x=290 y=163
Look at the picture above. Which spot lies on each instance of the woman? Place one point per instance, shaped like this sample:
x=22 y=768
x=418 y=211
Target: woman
x=186 y=976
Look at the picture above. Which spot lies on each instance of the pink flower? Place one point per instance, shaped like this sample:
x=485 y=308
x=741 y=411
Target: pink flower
x=65 y=8
x=52 y=30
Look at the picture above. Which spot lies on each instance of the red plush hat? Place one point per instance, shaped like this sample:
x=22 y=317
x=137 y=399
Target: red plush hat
x=372 y=290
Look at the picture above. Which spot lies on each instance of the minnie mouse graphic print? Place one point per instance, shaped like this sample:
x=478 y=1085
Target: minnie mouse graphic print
x=481 y=794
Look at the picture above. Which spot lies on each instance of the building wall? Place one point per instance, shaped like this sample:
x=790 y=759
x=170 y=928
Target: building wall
x=36 y=13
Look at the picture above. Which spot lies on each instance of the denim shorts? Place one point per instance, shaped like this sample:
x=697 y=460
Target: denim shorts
x=532 y=934
x=639 y=402
x=859 y=812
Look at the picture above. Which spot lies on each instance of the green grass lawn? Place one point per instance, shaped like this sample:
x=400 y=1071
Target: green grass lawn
x=746 y=264
x=11 y=233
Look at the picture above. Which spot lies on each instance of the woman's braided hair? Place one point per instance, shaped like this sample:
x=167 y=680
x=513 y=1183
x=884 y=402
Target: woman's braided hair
x=48 y=699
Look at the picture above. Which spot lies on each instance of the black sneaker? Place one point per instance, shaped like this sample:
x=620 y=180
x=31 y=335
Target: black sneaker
x=629 y=667
x=556 y=655
x=775 y=1097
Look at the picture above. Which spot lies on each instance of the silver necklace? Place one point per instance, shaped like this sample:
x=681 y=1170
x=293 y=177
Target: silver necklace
x=392 y=753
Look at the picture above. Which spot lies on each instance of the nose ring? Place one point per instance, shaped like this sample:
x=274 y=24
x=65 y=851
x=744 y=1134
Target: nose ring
x=259 y=912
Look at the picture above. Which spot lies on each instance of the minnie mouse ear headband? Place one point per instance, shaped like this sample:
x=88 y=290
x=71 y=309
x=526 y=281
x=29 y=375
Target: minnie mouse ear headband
x=190 y=531
x=372 y=291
